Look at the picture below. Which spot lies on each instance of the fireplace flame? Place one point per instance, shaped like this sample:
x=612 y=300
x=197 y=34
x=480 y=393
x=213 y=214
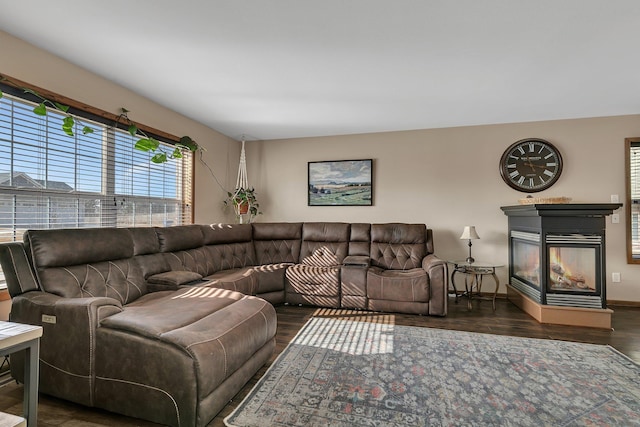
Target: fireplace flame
x=561 y=274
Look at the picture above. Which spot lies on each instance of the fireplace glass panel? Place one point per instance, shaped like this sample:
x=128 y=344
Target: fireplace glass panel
x=572 y=269
x=526 y=262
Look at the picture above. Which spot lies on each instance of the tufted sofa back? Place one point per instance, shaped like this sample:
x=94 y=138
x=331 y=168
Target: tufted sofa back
x=183 y=246
x=360 y=239
x=115 y=262
x=228 y=246
x=324 y=244
x=75 y=263
x=398 y=246
x=277 y=242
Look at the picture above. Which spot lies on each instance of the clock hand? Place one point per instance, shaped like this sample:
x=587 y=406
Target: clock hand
x=530 y=163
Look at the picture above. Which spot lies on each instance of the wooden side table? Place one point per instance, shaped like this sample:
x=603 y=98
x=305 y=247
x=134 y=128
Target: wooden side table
x=16 y=337
x=473 y=274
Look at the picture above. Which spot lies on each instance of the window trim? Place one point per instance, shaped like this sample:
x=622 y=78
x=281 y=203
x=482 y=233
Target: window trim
x=628 y=144
x=16 y=87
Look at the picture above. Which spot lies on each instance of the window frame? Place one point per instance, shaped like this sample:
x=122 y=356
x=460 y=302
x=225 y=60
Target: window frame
x=16 y=89
x=629 y=144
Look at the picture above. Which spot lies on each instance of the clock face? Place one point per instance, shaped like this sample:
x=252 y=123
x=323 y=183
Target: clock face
x=531 y=165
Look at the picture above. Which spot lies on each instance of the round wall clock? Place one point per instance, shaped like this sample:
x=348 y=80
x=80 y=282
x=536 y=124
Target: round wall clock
x=531 y=165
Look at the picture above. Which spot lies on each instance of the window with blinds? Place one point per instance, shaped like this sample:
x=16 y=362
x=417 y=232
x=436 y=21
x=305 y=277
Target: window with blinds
x=51 y=180
x=634 y=195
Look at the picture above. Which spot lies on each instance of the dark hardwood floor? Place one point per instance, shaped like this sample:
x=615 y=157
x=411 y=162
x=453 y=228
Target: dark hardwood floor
x=506 y=320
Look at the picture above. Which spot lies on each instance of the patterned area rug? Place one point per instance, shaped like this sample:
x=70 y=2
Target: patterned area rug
x=349 y=373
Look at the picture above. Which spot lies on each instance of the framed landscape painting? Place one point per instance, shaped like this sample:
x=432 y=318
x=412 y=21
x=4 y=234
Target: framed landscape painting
x=341 y=183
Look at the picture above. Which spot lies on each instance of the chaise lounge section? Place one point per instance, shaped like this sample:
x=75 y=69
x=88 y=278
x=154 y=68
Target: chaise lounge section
x=168 y=324
x=175 y=357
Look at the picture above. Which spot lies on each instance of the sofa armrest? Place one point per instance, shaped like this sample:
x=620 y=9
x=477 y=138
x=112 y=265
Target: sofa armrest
x=437 y=271
x=67 y=346
x=16 y=269
x=30 y=308
x=431 y=261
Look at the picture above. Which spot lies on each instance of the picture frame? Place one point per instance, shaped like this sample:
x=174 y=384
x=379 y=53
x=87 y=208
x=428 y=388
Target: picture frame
x=340 y=183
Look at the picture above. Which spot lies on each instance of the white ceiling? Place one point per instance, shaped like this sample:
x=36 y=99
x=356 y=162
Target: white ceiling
x=272 y=69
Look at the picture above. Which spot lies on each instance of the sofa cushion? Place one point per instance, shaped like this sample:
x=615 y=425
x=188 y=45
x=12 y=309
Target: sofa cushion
x=65 y=247
x=221 y=342
x=174 y=278
x=398 y=246
x=360 y=239
x=277 y=230
x=321 y=254
x=211 y=333
x=270 y=277
x=145 y=240
x=215 y=234
x=196 y=260
x=172 y=311
x=153 y=264
x=121 y=280
x=362 y=261
x=324 y=244
x=228 y=256
x=398 y=285
x=310 y=280
x=238 y=279
x=181 y=237
x=277 y=242
x=326 y=231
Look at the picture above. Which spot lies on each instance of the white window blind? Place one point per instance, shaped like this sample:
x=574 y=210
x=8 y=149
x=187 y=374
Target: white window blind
x=634 y=176
x=51 y=180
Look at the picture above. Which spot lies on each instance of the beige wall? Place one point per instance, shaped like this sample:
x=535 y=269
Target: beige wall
x=35 y=66
x=448 y=178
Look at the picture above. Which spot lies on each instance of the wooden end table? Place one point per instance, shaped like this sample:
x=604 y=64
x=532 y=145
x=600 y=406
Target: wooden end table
x=16 y=337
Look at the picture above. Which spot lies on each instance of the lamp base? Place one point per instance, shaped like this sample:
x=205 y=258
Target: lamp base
x=470 y=260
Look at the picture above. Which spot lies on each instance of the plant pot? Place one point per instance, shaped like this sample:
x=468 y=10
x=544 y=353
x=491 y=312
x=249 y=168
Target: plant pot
x=243 y=208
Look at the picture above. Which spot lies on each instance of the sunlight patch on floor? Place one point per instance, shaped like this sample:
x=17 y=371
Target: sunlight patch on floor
x=348 y=336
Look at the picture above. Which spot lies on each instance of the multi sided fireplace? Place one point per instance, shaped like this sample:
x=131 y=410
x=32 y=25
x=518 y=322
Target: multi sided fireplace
x=557 y=253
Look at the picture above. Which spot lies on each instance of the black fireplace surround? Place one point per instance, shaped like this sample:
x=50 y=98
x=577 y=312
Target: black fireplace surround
x=557 y=252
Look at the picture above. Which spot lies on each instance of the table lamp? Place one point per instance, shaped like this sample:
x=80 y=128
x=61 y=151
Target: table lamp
x=470 y=234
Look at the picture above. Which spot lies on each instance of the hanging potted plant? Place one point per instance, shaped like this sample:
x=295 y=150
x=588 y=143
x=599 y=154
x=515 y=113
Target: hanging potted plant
x=243 y=199
x=244 y=202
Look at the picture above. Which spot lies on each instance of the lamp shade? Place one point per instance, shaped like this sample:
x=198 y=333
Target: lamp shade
x=469 y=233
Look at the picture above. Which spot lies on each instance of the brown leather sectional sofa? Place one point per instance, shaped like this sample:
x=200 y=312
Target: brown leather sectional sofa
x=164 y=324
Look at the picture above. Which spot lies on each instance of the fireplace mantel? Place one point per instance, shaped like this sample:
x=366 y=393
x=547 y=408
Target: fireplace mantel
x=557 y=259
x=562 y=209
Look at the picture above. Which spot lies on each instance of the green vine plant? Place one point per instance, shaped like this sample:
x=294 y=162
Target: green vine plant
x=68 y=122
x=144 y=143
x=152 y=145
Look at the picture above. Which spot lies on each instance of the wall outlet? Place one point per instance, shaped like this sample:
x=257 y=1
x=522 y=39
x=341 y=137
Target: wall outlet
x=615 y=198
x=615 y=277
x=615 y=218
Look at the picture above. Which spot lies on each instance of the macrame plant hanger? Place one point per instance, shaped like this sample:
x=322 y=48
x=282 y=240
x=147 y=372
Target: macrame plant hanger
x=242 y=184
